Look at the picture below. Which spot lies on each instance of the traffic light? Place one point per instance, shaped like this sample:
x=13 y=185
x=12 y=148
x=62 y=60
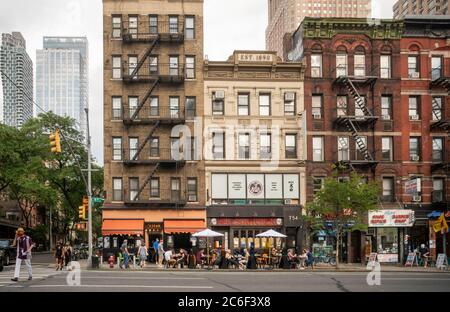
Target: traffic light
x=55 y=142
x=81 y=213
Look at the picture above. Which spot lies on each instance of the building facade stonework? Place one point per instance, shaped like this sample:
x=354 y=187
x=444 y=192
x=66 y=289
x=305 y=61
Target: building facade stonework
x=404 y=8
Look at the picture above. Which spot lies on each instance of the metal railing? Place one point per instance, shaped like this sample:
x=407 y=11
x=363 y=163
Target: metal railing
x=154 y=113
x=146 y=30
x=156 y=195
x=153 y=154
x=165 y=72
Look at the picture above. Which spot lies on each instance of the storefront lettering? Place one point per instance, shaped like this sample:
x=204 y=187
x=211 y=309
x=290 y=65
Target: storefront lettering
x=255 y=57
x=248 y=222
x=394 y=218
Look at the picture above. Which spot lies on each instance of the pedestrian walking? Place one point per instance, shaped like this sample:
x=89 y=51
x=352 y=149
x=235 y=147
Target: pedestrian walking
x=125 y=253
x=155 y=250
x=67 y=254
x=24 y=247
x=142 y=252
x=59 y=255
x=160 y=253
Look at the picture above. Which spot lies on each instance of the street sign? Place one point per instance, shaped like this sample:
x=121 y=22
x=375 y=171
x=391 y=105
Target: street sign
x=98 y=200
x=413 y=186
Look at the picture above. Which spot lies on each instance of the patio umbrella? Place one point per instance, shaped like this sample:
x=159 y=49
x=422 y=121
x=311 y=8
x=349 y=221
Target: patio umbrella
x=207 y=233
x=271 y=233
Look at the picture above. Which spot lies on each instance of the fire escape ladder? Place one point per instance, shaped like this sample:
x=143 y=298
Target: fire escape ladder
x=358 y=99
x=436 y=108
x=143 y=58
x=147 y=180
x=146 y=140
x=359 y=141
x=147 y=95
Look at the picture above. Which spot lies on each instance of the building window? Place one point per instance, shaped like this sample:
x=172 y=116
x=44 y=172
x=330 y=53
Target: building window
x=265 y=140
x=154 y=188
x=132 y=65
x=243 y=104
x=388 y=189
x=289 y=103
x=386 y=107
x=438 y=150
x=116 y=26
x=316 y=65
x=291 y=146
x=175 y=148
x=414 y=111
x=174 y=106
x=343 y=149
x=359 y=112
x=385 y=66
x=134 y=188
x=190 y=107
x=317 y=106
x=264 y=104
x=117 y=148
x=134 y=145
x=175 y=189
x=154 y=106
x=386 y=149
x=341 y=64
x=192 y=189
x=153 y=22
x=116 y=107
x=317 y=148
x=173 y=66
x=117 y=189
x=318 y=183
x=173 y=24
x=438 y=190
x=436 y=67
x=218 y=102
x=153 y=64
x=413 y=66
x=342 y=105
x=414 y=148
x=190 y=67
x=244 y=145
x=133 y=26
x=193 y=148
x=154 y=147
x=190 y=27
x=218 y=145
x=360 y=62
x=436 y=108
x=133 y=102
x=117 y=67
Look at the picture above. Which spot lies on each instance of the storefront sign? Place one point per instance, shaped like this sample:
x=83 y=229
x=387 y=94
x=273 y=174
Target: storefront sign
x=292 y=216
x=153 y=227
x=255 y=186
x=219 y=186
x=413 y=186
x=387 y=258
x=249 y=222
x=291 y=186
x=391 y=218
x=274 y=186
x=255 y=57
x=236 y=186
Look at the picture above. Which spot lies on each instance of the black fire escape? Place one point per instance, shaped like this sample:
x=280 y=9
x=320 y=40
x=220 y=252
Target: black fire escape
x=149 y=70
x=357 y=123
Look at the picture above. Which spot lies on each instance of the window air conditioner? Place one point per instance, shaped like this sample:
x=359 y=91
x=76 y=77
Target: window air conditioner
x=415 y=158
x=289 y=96
x=414 y=117
x=219 y=95
x=192 y=198
x=417 y=198
x=317 y=116
x=415 y=75
x=386 y=117
x=287 y=201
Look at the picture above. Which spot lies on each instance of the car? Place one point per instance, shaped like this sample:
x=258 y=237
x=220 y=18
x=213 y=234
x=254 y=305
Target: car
x=7 y=251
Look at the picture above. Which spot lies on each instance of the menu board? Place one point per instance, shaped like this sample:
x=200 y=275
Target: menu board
x=441 y=261
x=411 y=259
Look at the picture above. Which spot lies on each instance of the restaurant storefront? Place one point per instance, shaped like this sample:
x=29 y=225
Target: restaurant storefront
x=386 y=233
x=436 y=239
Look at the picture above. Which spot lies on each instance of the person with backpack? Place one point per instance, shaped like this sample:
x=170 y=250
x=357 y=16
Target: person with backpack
x=24 y=247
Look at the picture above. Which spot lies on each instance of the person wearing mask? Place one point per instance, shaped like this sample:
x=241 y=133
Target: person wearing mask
x=24 y=247
x=125 y=253
x=160 y=253
x=59 y=255
x=155 y=250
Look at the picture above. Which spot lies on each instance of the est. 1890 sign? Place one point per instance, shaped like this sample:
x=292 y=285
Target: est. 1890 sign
x=255 y=57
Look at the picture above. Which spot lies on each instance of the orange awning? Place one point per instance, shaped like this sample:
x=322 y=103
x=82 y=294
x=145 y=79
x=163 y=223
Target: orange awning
x=183 y=226
x=123 y=227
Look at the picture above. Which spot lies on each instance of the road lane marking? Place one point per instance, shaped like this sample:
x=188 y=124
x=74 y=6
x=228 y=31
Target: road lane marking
x=139 y=278
x=126 y=286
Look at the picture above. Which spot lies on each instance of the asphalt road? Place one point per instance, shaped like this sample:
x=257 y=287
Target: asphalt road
x=48 y=280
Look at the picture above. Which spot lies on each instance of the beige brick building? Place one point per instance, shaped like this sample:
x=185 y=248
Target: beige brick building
x=403 y=8
x=254 y=148
x=286 y=15
x=153 y=91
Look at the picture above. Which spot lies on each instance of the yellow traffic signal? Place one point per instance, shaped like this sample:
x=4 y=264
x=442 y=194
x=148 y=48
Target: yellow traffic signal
x=81 y=213
x=55 y=142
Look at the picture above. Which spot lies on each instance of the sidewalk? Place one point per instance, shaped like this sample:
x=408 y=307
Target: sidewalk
x=317 y=268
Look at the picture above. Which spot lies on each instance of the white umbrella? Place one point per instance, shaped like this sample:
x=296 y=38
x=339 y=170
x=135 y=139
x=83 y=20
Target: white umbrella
x=207 y=233
x=271 y=233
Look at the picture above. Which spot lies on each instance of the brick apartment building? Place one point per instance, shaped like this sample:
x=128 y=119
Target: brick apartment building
x=153 y=90
x=403 y=8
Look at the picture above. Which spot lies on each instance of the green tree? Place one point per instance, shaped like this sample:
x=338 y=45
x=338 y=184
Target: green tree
x=344 y=204
x=11 y=155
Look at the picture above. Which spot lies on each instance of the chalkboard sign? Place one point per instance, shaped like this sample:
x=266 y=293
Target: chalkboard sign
x=412 y=258
x=441 y=262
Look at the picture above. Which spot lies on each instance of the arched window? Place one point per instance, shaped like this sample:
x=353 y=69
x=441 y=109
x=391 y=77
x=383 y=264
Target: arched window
x=360 y=62
x=385 y=62
x=341 y=61
x=316 y=61
x=413 y=62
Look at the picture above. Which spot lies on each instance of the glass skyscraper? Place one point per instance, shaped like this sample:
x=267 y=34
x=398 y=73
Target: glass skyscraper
x=16 y=105
x=62 y=77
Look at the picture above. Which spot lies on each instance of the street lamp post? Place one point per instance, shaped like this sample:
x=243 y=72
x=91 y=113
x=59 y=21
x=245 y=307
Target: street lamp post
x=89 y=190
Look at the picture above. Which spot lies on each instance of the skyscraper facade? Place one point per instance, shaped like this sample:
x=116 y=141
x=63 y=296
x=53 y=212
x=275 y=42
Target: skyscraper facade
x=17 y=80
x=286 y=15
x=62 y=77
x=403 y=8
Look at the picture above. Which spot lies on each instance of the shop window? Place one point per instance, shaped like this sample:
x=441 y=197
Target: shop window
x=387 y=240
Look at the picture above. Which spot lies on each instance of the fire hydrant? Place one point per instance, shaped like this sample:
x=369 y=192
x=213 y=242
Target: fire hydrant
x=111 y=261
